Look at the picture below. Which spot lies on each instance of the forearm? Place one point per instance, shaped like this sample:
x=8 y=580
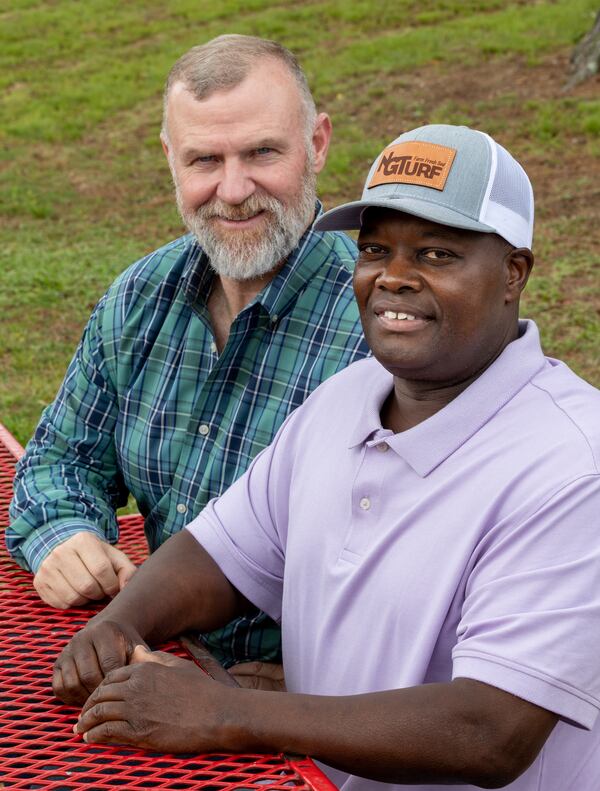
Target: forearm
x=57 y=493
x=432 y=733
x=179 y=587
x=70 y=473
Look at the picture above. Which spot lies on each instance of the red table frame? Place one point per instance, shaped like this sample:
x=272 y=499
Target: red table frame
x=37 y=747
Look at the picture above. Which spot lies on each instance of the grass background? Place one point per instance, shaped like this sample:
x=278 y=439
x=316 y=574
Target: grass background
x=85 y=190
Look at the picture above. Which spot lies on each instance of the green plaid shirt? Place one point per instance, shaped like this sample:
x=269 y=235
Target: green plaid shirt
x=149 y=407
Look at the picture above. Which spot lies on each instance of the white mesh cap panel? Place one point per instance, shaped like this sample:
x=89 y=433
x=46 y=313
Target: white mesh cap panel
x=510 y=203
x=509 y=225
x=511 y=186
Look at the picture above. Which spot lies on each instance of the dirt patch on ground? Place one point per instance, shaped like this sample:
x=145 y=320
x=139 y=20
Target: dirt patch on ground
x=499 y=97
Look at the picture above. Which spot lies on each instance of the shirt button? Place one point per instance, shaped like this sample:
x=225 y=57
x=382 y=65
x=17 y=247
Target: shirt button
x=365 y=503
x=383 y=446
x=203 y=429
x=274 y=318
x=181 y=508
x=213 y=347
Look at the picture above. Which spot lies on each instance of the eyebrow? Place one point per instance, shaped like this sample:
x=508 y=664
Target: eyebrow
x=189 y=154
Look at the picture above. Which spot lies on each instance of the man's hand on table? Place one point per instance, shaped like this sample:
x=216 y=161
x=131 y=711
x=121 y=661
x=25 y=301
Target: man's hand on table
x=158 y=702
x=82 y=569
x=103 y=646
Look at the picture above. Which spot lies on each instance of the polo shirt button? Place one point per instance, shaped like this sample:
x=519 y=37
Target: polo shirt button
x=365 y=503
x=383 y=446
x=181 y=508
x=213 y=347
x=203 y=429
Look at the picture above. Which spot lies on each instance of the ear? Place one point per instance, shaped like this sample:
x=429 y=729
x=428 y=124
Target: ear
x=518 y=263
x=320 y=141
x=165 y=145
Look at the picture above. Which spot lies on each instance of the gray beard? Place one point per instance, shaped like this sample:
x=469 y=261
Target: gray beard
x=246 y=255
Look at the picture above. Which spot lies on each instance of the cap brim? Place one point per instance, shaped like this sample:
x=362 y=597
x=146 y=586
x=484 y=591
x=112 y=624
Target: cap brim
x=348 y=216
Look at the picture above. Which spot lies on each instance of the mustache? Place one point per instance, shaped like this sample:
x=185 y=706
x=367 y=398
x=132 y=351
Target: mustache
x=248 y=208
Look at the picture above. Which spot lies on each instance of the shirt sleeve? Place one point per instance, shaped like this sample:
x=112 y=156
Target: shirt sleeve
x=245 y=529
x=68 y=481
x=530 y=621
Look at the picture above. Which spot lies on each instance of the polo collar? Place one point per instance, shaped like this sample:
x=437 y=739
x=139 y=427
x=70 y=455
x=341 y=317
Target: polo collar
x=431 y=442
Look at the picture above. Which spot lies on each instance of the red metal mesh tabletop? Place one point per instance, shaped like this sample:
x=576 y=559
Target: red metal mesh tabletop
x=37 y=747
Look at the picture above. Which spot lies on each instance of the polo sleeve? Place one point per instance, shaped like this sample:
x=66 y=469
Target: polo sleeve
x=245 y=529
x=530 y=622
x=68 y=481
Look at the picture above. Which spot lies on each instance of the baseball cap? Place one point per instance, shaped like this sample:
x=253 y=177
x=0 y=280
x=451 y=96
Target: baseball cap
x=452 y=175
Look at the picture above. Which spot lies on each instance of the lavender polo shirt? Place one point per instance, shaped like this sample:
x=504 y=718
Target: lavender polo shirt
x=466 y=546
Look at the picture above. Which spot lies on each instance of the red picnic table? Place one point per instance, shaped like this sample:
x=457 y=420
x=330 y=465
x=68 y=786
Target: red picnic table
x=37 y=747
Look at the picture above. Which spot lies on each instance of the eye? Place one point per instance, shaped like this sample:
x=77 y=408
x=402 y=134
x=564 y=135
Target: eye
x=436 y=255
x=205 y=159
x=264 y=150
x=366 y=249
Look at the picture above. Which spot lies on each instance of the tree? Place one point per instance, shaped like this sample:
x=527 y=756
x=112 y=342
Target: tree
x=585 y=60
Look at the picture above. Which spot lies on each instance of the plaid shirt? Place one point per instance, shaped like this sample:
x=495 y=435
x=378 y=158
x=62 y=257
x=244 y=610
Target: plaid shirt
x=149 y=407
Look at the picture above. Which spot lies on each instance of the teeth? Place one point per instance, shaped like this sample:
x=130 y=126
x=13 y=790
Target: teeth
x=239 y=219
x=390 y=314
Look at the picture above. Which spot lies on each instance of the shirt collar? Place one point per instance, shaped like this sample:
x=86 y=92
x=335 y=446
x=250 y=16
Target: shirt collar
x=197 y=274
x=309 y=255
x=431 y=442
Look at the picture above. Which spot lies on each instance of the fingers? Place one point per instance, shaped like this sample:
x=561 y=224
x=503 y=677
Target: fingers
x=113 y=688
x=74 y=680
x=55 y=590
x=90 y=656
x=98 y=715
x=111 y=732
x=106 y=715
x=122 y=565
x=83 y=568
x=142 y=653
x=259 y=675
x=154 y=707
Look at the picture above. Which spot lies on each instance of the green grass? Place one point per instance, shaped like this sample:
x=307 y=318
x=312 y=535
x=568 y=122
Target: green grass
x=84 y=189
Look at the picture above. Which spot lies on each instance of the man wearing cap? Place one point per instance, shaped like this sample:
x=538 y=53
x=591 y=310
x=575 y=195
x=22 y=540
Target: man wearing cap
x=199 y=351
x=424 y=526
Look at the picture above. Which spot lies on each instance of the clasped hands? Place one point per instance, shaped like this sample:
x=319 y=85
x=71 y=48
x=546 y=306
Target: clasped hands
x=150 y=699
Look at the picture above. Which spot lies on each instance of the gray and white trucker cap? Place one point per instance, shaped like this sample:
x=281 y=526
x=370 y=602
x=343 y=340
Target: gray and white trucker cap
x=451 y=175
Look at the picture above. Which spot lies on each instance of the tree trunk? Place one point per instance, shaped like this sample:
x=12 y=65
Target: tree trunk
x=585 y=60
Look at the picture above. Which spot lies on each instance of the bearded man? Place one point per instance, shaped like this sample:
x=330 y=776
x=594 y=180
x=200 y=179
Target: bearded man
x=197 y=353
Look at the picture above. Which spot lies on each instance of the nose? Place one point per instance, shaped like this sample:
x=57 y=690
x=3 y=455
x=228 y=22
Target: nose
x=235 y=183
x=400 y=273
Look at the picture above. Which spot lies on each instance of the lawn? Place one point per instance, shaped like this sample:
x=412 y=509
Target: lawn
x=85 y=189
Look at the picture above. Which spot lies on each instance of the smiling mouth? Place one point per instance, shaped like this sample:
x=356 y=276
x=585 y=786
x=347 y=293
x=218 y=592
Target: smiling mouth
x=249 y=218
x=401 y=321
x=390 y=314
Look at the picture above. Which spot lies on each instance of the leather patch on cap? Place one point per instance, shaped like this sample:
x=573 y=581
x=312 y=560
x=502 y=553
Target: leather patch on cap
x=414 y=162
